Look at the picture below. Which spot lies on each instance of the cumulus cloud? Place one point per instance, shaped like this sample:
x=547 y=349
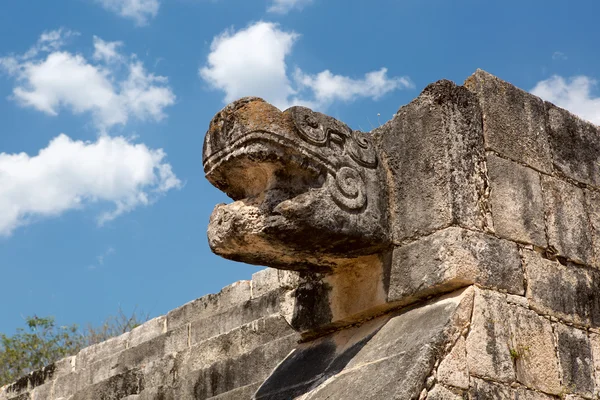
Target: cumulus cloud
x=252 y=61
x=328 y=87
x=106 y=51
x=285 y=6
x=573 y=94
x=50 y=79
x=70 y=174
x=140 y=11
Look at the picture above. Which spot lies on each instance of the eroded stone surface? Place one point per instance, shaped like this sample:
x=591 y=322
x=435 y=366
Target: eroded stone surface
x=516 y=201
x=569 y=230
x=575 y=358
x=488 y=343
x=453 y=370
x=575 y=145
x=513 y=121
x=569 y=292
x=337 y=366
x=432 y=153
x=452 y=258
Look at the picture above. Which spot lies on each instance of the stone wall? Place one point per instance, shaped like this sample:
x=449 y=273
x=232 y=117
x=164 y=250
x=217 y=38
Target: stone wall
x=487 y=287
x=200 y=350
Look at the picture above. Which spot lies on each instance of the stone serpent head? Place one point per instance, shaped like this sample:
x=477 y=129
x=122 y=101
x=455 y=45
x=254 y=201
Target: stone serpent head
x=307 y=189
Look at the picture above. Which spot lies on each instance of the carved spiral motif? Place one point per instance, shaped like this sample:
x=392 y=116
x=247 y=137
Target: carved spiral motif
x=318 y=129
x=309 y=126
x=349 y=190
x=361 y=150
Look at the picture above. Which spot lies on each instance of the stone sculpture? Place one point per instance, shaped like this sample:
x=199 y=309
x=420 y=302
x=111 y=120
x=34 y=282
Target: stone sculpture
x=306 y=188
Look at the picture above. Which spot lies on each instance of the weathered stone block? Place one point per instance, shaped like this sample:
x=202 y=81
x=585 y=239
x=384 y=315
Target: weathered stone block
x=234 y=317
x=570 y=292
x=488 y=343
x=453 y=370
x=516 y=201
x=433 y=154
x=595 y=346
x=230 y=373
x=514 y=122
x=338 y=365
x=264 y=281
x=575 y=145
x=532 y=348
x=234 y=294
x=244 y=392
x=484 y=390
x=177 y=339
x=452 y=258
x=575 y=358
x=114 y=388
x=524 y=394
x=569 y=230
x=439 y=392
x=91 y=354
x=147 y=331
x=592 y=200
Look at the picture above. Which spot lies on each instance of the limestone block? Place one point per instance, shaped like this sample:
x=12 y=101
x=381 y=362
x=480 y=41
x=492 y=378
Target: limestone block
x=66 y=385
x=516 y=201
x=570 y=292
x=177 y=339
x=533 y=351
x=43 y=392
x=338 y=365
x=234 y=317
x=65 y=366
x=265 y=281
x=485 y=390
x=234 y=372
x=524 y=394
x=488 y=343
x=116 y=387
x=453 y=370
x=234 y=343
x=91 y=354
x=452 y=258
x=161 y=372
x=433 y=154
x=592 y=200
x=143 y=353
x=576 y=362
x=148 y=330
x=232 y=295
x=513 y=121
x=569 y=231
x=595 y=346
x=439 y=392
x=575 y=145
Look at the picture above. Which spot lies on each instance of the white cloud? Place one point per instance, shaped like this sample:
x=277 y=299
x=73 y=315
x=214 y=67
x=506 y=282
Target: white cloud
x=573 y=94
x=106 y=51
x=141 y=11
x=252 y=61
x=285 y=6
x=70 y=174
x=328 y=87
x=63 y=80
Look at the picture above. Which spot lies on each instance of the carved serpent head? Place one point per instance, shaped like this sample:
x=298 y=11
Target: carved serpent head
x=307 y=189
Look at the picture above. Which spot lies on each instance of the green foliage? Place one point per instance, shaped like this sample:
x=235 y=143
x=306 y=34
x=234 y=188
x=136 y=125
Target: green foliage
x=42 y=342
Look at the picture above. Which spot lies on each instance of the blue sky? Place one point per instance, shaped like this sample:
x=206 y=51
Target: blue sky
x=104 y=105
